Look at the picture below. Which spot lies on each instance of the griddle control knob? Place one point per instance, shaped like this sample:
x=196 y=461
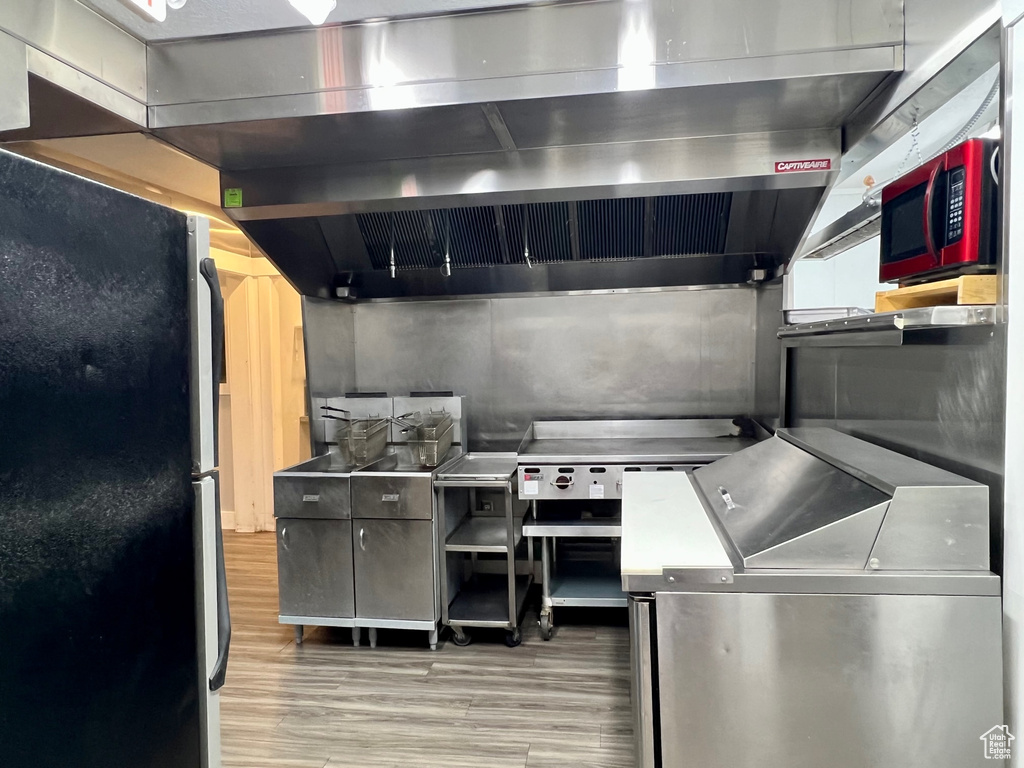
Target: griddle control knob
x=562 y=482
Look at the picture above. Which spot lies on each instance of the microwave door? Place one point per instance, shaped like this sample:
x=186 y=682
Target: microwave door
x=908 y=244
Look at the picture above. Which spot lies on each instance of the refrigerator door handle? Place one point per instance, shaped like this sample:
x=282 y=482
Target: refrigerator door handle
x=220 y=668
x=208 y=269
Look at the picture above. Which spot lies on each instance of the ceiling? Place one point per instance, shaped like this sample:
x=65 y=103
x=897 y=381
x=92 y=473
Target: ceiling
x=201 y=18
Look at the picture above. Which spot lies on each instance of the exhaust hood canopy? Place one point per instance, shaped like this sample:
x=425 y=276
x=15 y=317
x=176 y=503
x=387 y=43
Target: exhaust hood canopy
x=634 y=242
x=621 y=143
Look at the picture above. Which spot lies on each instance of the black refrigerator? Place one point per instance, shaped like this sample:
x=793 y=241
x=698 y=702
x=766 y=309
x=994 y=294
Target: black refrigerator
x=114 y=625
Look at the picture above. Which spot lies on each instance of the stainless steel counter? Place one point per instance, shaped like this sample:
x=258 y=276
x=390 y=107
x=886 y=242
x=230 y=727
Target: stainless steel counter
x=476 y=468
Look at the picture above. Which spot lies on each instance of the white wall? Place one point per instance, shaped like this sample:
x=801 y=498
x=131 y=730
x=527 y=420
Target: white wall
x=847 y=280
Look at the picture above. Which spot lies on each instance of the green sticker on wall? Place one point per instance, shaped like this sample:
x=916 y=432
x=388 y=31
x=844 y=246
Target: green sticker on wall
x=233 y=198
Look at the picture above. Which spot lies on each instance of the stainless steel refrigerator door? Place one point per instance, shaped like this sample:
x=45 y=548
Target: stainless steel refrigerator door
x=204 y=380
x=98 y=641
x=846 y=681
x=642 y=672
x=206 y=529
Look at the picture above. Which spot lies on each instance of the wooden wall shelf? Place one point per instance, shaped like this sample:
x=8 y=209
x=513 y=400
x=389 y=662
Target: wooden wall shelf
x=966 y=289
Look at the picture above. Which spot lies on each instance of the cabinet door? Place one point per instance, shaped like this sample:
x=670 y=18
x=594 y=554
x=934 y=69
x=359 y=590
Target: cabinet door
x=394 y=565
x=314 y=568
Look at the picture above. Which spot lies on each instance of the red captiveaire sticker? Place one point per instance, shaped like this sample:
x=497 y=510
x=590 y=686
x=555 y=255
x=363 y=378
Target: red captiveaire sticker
x=793 y=166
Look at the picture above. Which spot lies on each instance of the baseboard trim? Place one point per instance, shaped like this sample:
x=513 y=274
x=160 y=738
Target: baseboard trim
x=227 y=520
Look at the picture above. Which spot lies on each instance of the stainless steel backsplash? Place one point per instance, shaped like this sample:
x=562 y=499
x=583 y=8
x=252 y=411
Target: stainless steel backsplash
x=673 y=353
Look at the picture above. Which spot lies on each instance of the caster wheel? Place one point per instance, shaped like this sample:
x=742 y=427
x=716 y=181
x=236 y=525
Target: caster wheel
x=513 y=638
x=545 y=626
x=462 y=640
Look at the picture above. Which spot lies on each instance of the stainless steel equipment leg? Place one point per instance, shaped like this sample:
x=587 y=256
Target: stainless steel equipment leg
x=529 y=554
x=432 y=639
x=529 y=543
x=298 y=634
x=514 y=636
x=372 y=632
x=545 y=589
x=357 y=634
x=442 y=557
x=510 y=548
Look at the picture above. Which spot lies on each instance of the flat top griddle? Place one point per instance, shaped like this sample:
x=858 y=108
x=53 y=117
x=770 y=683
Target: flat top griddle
x=658 y=441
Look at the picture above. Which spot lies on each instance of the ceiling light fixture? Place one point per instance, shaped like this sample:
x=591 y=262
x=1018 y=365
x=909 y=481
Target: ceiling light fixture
x=154 y=10
x=316 y=11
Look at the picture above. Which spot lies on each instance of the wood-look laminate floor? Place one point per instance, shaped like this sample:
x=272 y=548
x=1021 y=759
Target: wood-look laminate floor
x=326 y=703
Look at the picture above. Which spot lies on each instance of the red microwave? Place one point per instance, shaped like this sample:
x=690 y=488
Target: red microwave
x=942 y=218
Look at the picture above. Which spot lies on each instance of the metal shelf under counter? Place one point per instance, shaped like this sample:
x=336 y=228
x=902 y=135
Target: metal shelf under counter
x=884 y=329
x=484 y=534
x=594 y=585
x=483 y=601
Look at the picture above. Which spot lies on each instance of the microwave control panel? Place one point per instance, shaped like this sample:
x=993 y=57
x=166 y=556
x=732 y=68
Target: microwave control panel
x=955 y=216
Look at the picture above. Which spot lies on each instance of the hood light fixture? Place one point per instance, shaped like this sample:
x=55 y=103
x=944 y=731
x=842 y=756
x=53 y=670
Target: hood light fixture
x=316 y=11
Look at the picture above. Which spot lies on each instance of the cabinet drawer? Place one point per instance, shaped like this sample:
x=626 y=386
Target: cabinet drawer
x=314 y=568
x=392 y=497
x=312 y=497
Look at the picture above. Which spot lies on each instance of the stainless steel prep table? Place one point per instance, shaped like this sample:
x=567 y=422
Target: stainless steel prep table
x=475 y=599
x=586 y=461
x=813 y=600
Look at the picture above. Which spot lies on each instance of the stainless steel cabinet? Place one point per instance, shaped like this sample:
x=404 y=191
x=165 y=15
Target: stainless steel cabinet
x=394 y=569
x=803 y=681
x=314 y=563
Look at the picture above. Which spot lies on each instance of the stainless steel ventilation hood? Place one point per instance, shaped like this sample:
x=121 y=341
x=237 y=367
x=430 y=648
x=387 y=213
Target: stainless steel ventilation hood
x=565 y=146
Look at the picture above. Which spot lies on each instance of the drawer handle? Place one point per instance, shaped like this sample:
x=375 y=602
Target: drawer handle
x=393 y=497
x=362 y=542
x=314 y=497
